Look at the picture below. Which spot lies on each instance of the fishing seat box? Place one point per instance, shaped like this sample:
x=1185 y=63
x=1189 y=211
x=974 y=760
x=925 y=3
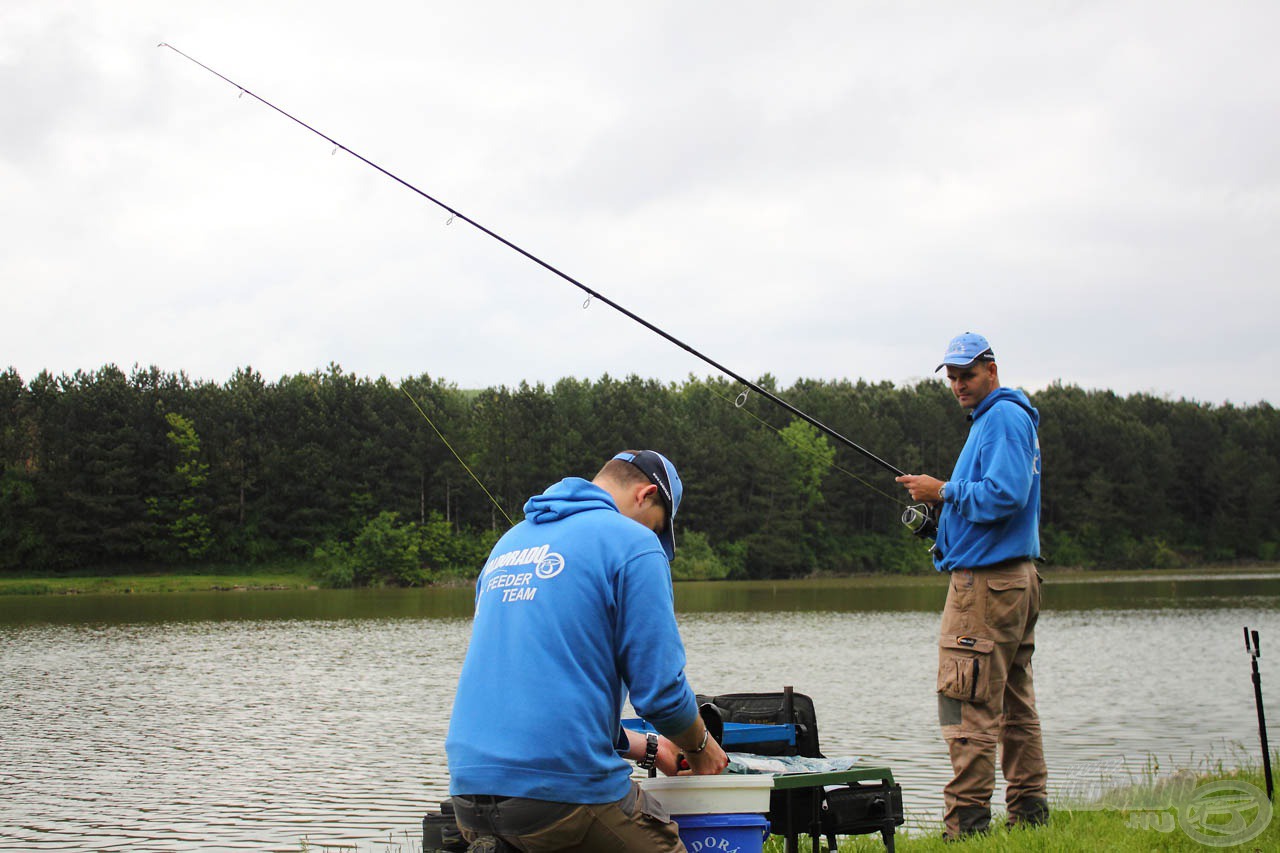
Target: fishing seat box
x=853 y=808
x=440 y=831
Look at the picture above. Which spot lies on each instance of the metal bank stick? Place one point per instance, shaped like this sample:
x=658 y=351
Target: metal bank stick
x=1255 y=652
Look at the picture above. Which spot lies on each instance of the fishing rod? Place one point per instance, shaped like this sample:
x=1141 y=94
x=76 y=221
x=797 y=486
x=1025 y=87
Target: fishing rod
x=921 y=518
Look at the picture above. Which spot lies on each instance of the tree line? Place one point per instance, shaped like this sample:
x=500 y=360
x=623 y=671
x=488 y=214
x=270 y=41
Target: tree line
x=105 y=470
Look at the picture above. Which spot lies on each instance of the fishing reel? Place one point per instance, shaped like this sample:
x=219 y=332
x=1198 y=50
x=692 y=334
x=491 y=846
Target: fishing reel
x=922 y=520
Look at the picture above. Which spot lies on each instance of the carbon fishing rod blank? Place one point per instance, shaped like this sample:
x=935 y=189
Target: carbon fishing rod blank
x=590 y=293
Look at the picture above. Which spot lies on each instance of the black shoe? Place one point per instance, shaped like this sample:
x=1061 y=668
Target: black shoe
x=1030 y=813
x=974 y=820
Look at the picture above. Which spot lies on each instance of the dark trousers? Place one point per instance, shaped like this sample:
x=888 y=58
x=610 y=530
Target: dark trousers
x=634 y=823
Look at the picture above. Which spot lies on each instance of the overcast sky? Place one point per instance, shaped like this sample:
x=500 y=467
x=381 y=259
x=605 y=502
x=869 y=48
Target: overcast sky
x=822 y=190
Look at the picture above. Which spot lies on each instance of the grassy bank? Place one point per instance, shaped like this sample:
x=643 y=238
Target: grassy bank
x=1156 y=814
x=1114 y=823
x=1150 y=816
x=212 y=578
x=300 y=575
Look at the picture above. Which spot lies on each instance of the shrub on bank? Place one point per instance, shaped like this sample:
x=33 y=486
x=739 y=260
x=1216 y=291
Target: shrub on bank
x=386 y=552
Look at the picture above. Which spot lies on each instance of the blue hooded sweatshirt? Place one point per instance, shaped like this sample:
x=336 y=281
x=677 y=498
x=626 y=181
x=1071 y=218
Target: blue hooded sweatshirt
x=574 y=608
x=992 y=507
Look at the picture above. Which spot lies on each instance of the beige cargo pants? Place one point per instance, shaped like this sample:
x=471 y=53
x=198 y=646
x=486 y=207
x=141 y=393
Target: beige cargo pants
x=986 y=698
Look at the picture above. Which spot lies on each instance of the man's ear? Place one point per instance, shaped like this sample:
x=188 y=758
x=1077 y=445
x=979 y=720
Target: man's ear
x=635 y=497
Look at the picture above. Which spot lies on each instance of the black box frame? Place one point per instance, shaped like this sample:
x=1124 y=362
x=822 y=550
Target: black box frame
x=850 y=808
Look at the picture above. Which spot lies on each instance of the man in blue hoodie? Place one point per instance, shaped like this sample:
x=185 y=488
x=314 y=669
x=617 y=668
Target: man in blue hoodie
x=574 y=611
x=988 y=539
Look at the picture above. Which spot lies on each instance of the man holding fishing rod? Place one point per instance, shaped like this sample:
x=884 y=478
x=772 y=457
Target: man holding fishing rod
x=575 y=609
x=988 y=538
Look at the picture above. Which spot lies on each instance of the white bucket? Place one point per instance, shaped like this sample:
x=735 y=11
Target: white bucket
x=723 y=794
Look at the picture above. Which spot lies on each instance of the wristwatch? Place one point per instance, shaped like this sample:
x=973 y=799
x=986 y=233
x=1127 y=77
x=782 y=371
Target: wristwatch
x=650 y=759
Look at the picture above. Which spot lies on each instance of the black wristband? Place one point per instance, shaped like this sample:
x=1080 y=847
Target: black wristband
x=650 y=759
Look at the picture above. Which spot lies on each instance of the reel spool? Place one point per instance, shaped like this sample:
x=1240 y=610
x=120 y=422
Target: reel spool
x=922 y=520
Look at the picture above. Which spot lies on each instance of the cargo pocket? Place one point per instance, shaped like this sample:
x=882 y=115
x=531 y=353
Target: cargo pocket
x=964 y=668
x=657 y=829
x=1006 y=604
x=647 y=804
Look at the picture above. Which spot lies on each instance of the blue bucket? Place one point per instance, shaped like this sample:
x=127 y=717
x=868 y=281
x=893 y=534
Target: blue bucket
x=723 y=833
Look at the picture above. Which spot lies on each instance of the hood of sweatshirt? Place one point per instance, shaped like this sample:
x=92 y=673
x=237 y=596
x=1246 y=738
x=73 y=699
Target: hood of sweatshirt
x=570 y=496
x=1013 y=395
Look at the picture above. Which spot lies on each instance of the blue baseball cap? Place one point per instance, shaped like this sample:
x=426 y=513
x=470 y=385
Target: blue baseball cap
x=662 y=474
x=965 y=349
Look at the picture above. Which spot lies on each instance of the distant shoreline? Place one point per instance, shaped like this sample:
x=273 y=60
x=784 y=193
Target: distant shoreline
x=295 y=578
x=139 y=583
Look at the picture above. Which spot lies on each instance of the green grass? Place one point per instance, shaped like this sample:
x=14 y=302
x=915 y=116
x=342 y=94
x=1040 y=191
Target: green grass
x=1118 y=822
x=231 y=578
x=298 y=574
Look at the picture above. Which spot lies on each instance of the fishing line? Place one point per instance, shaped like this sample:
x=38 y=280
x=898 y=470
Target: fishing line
x=591 y=294
x=456 y=456
x=922 y=519
x=740 y=404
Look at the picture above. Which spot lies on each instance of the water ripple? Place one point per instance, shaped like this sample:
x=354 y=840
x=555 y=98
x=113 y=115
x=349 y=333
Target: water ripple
x=256 y=735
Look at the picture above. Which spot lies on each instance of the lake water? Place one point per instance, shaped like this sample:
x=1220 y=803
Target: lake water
x=255 y=721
